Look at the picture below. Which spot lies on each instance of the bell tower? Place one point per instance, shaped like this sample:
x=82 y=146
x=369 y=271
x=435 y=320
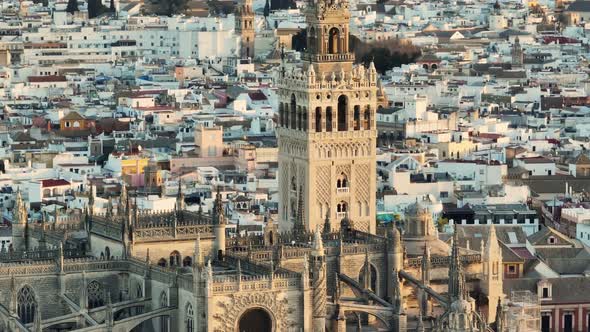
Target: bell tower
x=327 y=132
x=245 y=29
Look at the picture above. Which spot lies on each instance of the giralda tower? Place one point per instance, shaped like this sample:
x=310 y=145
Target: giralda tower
x=327 y=132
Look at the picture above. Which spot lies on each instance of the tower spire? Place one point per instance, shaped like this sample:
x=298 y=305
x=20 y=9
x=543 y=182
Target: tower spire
x=299 y=227
x=454 y=268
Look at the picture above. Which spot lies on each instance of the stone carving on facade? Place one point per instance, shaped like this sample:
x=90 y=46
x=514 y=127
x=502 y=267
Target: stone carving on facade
x=232 y=310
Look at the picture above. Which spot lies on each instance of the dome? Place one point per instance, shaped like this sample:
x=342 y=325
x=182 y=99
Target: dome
x=394 y=233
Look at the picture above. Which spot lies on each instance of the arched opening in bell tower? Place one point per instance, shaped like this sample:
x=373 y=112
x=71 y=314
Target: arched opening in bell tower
x=342 y=113
x=329 y=118
x=293 y=115
x=334 y=37
x=318 y=119
x=312 y=40
x=357 y=117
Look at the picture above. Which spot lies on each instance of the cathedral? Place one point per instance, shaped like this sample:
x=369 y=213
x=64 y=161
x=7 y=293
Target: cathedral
x=321 y=264
x=176 y=271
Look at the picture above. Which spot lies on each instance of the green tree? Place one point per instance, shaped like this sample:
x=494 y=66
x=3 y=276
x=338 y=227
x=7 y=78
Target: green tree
x=72 y=6
x=171 y=7
x=95 y=8
x=442 y=222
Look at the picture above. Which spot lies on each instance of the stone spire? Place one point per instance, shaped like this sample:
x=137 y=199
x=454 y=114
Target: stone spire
x=299 y=226
x=327 y=225
x=198 y=254
x=397 y=292
x=317 y=246
x=91 y=195
x=426 y=265
x=13 y=295
x=218 y=214
x=37 y=326
x=425 y=269
x=110 y=208
x=179 y=197
x=454 y=268
x=109 y=319
x=305 y=273
x=60 y=257
x=461 y=292
x=499 y=317
x=123 y=201
x=42 y=240
x=366 y=271
x=492 y=282
x=20 y=210
x=83 y=301
x=318 y=283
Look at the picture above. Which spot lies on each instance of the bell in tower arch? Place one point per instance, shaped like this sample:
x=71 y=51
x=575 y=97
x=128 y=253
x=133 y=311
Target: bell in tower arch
x=334 y=40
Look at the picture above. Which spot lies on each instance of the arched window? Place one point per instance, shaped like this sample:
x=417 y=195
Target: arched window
x=318 y=119
x=162 y=262
x=357 y=117
x=304 y=125
x=342 y=207
x=26 y=304
x=372 y=282
x=164 y=322
x=175 y=258
x=95 y=294
x=281 y=114
x=285 y=115
x=190 y=318
x=367 y=118
x=342 y=113
x=107 y=253
x=138 y=291
x=329 y=118
x=312 y=40
x=333 y=41
x=342 y=181
x=293 y=115
x=187 y=261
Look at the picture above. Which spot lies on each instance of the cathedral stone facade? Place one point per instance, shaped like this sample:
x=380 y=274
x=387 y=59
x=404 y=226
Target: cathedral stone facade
x=327 y=134
x=137 y=273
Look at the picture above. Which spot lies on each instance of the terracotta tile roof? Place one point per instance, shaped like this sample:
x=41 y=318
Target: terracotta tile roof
x=49 y=78
x=54 y=183
x=73 y=115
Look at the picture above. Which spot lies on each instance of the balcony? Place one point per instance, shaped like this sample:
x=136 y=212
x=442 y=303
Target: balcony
x=341 y=215
x=342 y=191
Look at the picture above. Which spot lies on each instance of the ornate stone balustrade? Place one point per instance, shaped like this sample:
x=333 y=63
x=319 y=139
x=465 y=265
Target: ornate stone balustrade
x=167 y=232
x=39 y=255
x=107 y=229
x=228 y=285
x=440 y=261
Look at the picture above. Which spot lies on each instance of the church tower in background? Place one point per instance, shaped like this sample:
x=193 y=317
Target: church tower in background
x=245 y=29
x=327 y=130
